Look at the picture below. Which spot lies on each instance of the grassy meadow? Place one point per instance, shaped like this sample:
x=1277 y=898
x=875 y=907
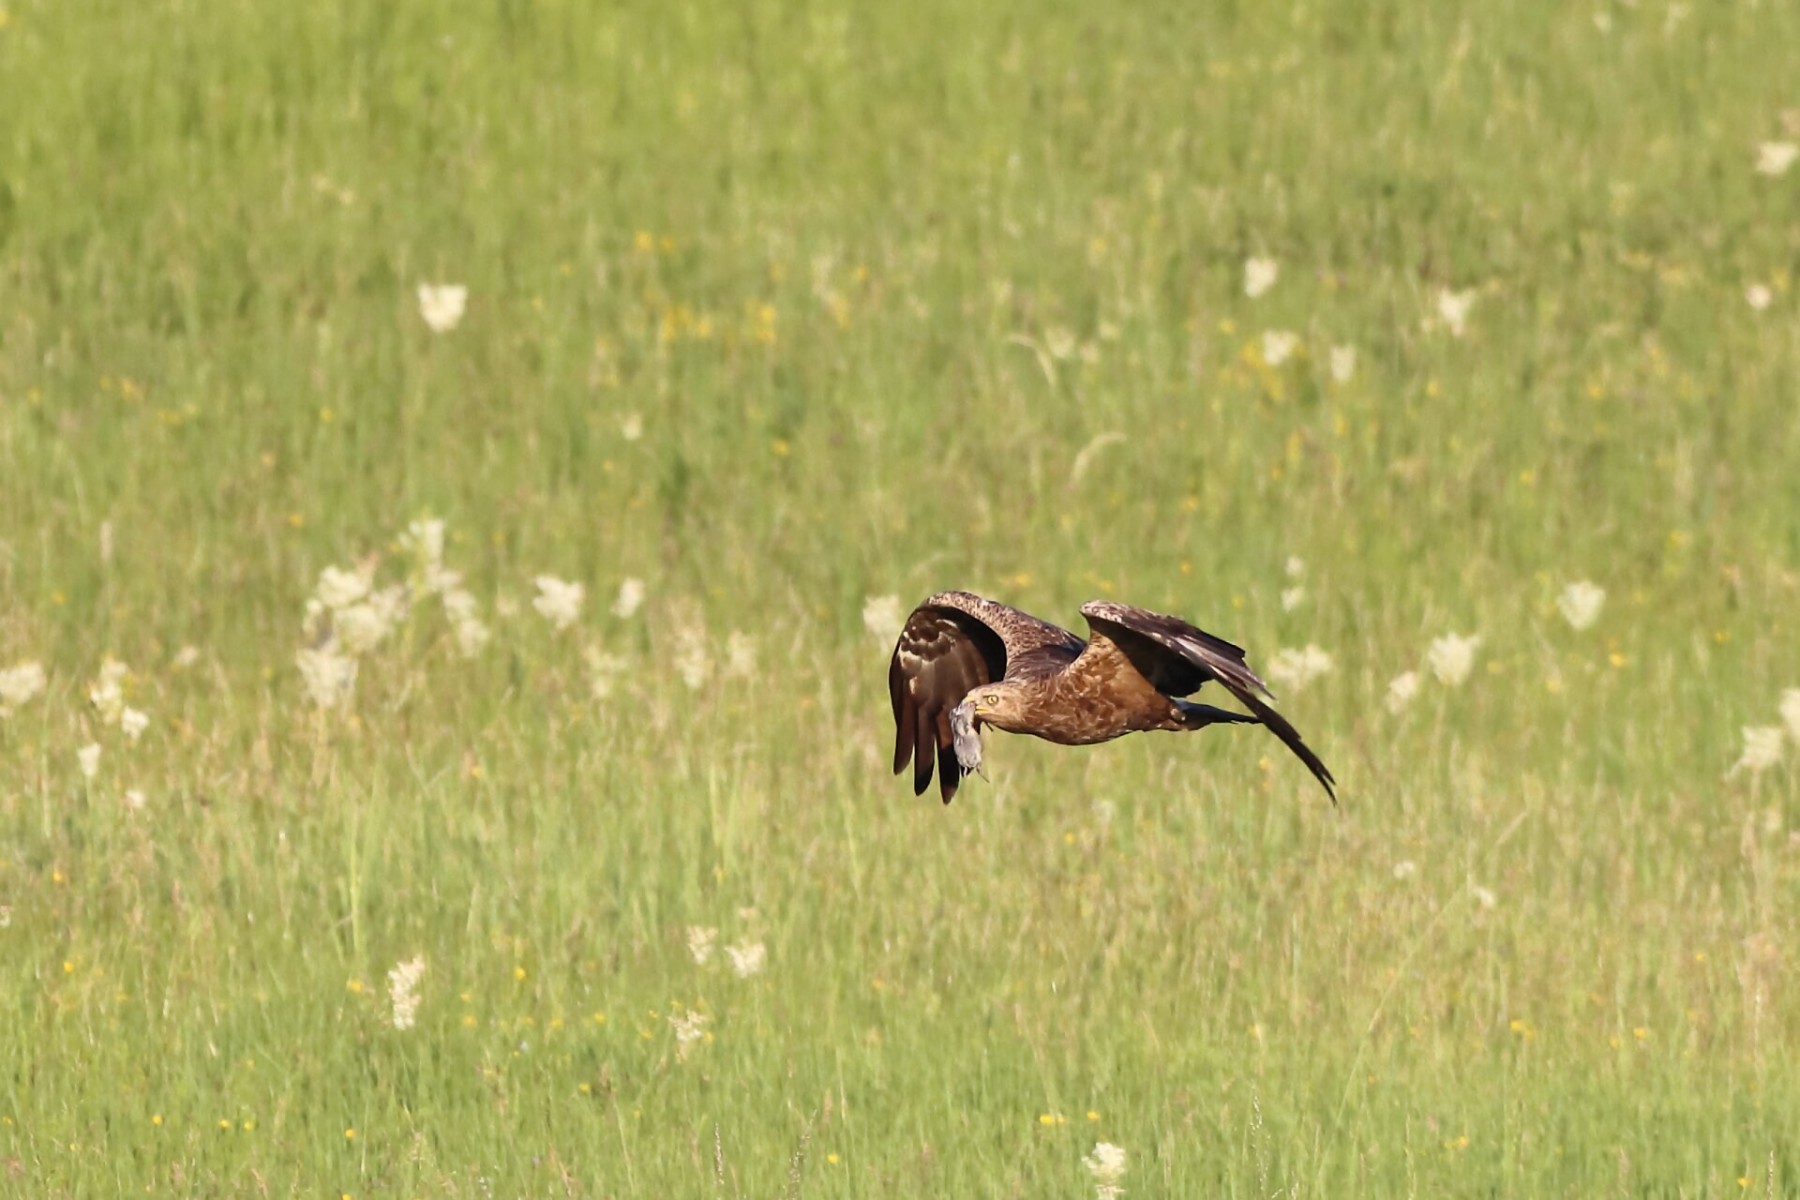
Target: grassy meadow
x=789 y=314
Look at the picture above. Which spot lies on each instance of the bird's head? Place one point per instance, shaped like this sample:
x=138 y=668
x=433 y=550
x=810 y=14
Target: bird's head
x=998 y=705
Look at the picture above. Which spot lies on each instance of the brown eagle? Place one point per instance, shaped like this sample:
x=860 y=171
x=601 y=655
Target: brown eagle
x=963 y=661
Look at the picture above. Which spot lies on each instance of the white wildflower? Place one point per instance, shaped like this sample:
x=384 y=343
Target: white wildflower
x=135 y=800
x=1294 y=669
x=89 y=759
x=747 y=958
x=403 y=991
x=424 y=539
x=329 y=676
x=1260 y=275
x=1292 y=598
x=603 y=669
x=1483 y=896
x=361 y=626
x=19 y=684
x=1580 y=603
x=442 y=305
x=1401 y=690
x=107 y=693
x=1343 y=363
x=1452 y=657
x=1758 y=296
x=557 y=601
x=437 y=579
x=1107 y=1165
x=740 y=655
x=460 y=605
x=1453 y=309
x=1762 y=749
x=1295 y=567
x=692 y=661
x=631 y=427
x=881 y=617
x=133 y=723
x=1059 y=342
x=689 y=1028
x=1278 y=345
x=700 y=942
x=471 y=636
x=471 y=633
x=339 y=588
x=1790 y=713
x=631 y=598
x=1774 y=158
x=1406 y=868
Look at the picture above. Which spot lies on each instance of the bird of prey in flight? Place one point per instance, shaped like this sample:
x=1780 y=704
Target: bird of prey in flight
x=964 y=661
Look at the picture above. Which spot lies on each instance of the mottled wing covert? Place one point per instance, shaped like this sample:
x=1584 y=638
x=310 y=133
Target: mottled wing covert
x=1178 y=658
x=942 y=654
x=951 y=644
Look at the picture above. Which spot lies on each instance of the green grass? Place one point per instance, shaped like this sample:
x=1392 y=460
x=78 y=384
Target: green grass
x=827 y=255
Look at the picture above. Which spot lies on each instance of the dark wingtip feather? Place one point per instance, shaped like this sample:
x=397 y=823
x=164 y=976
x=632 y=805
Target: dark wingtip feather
x=922 y=756
x=949 y=772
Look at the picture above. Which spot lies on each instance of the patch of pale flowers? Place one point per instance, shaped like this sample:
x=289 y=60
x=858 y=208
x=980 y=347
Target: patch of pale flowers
x=1765 y=745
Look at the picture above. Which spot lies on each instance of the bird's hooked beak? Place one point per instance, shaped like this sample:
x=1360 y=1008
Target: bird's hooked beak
x=966 y=732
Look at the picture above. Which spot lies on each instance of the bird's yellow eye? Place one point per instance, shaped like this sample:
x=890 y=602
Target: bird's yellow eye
x=989 y=700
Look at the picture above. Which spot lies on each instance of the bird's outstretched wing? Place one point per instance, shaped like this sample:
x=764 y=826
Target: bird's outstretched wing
x=1178 y=658
x=951 y=644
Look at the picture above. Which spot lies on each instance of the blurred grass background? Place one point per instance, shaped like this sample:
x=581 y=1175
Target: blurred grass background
x=869 y=280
